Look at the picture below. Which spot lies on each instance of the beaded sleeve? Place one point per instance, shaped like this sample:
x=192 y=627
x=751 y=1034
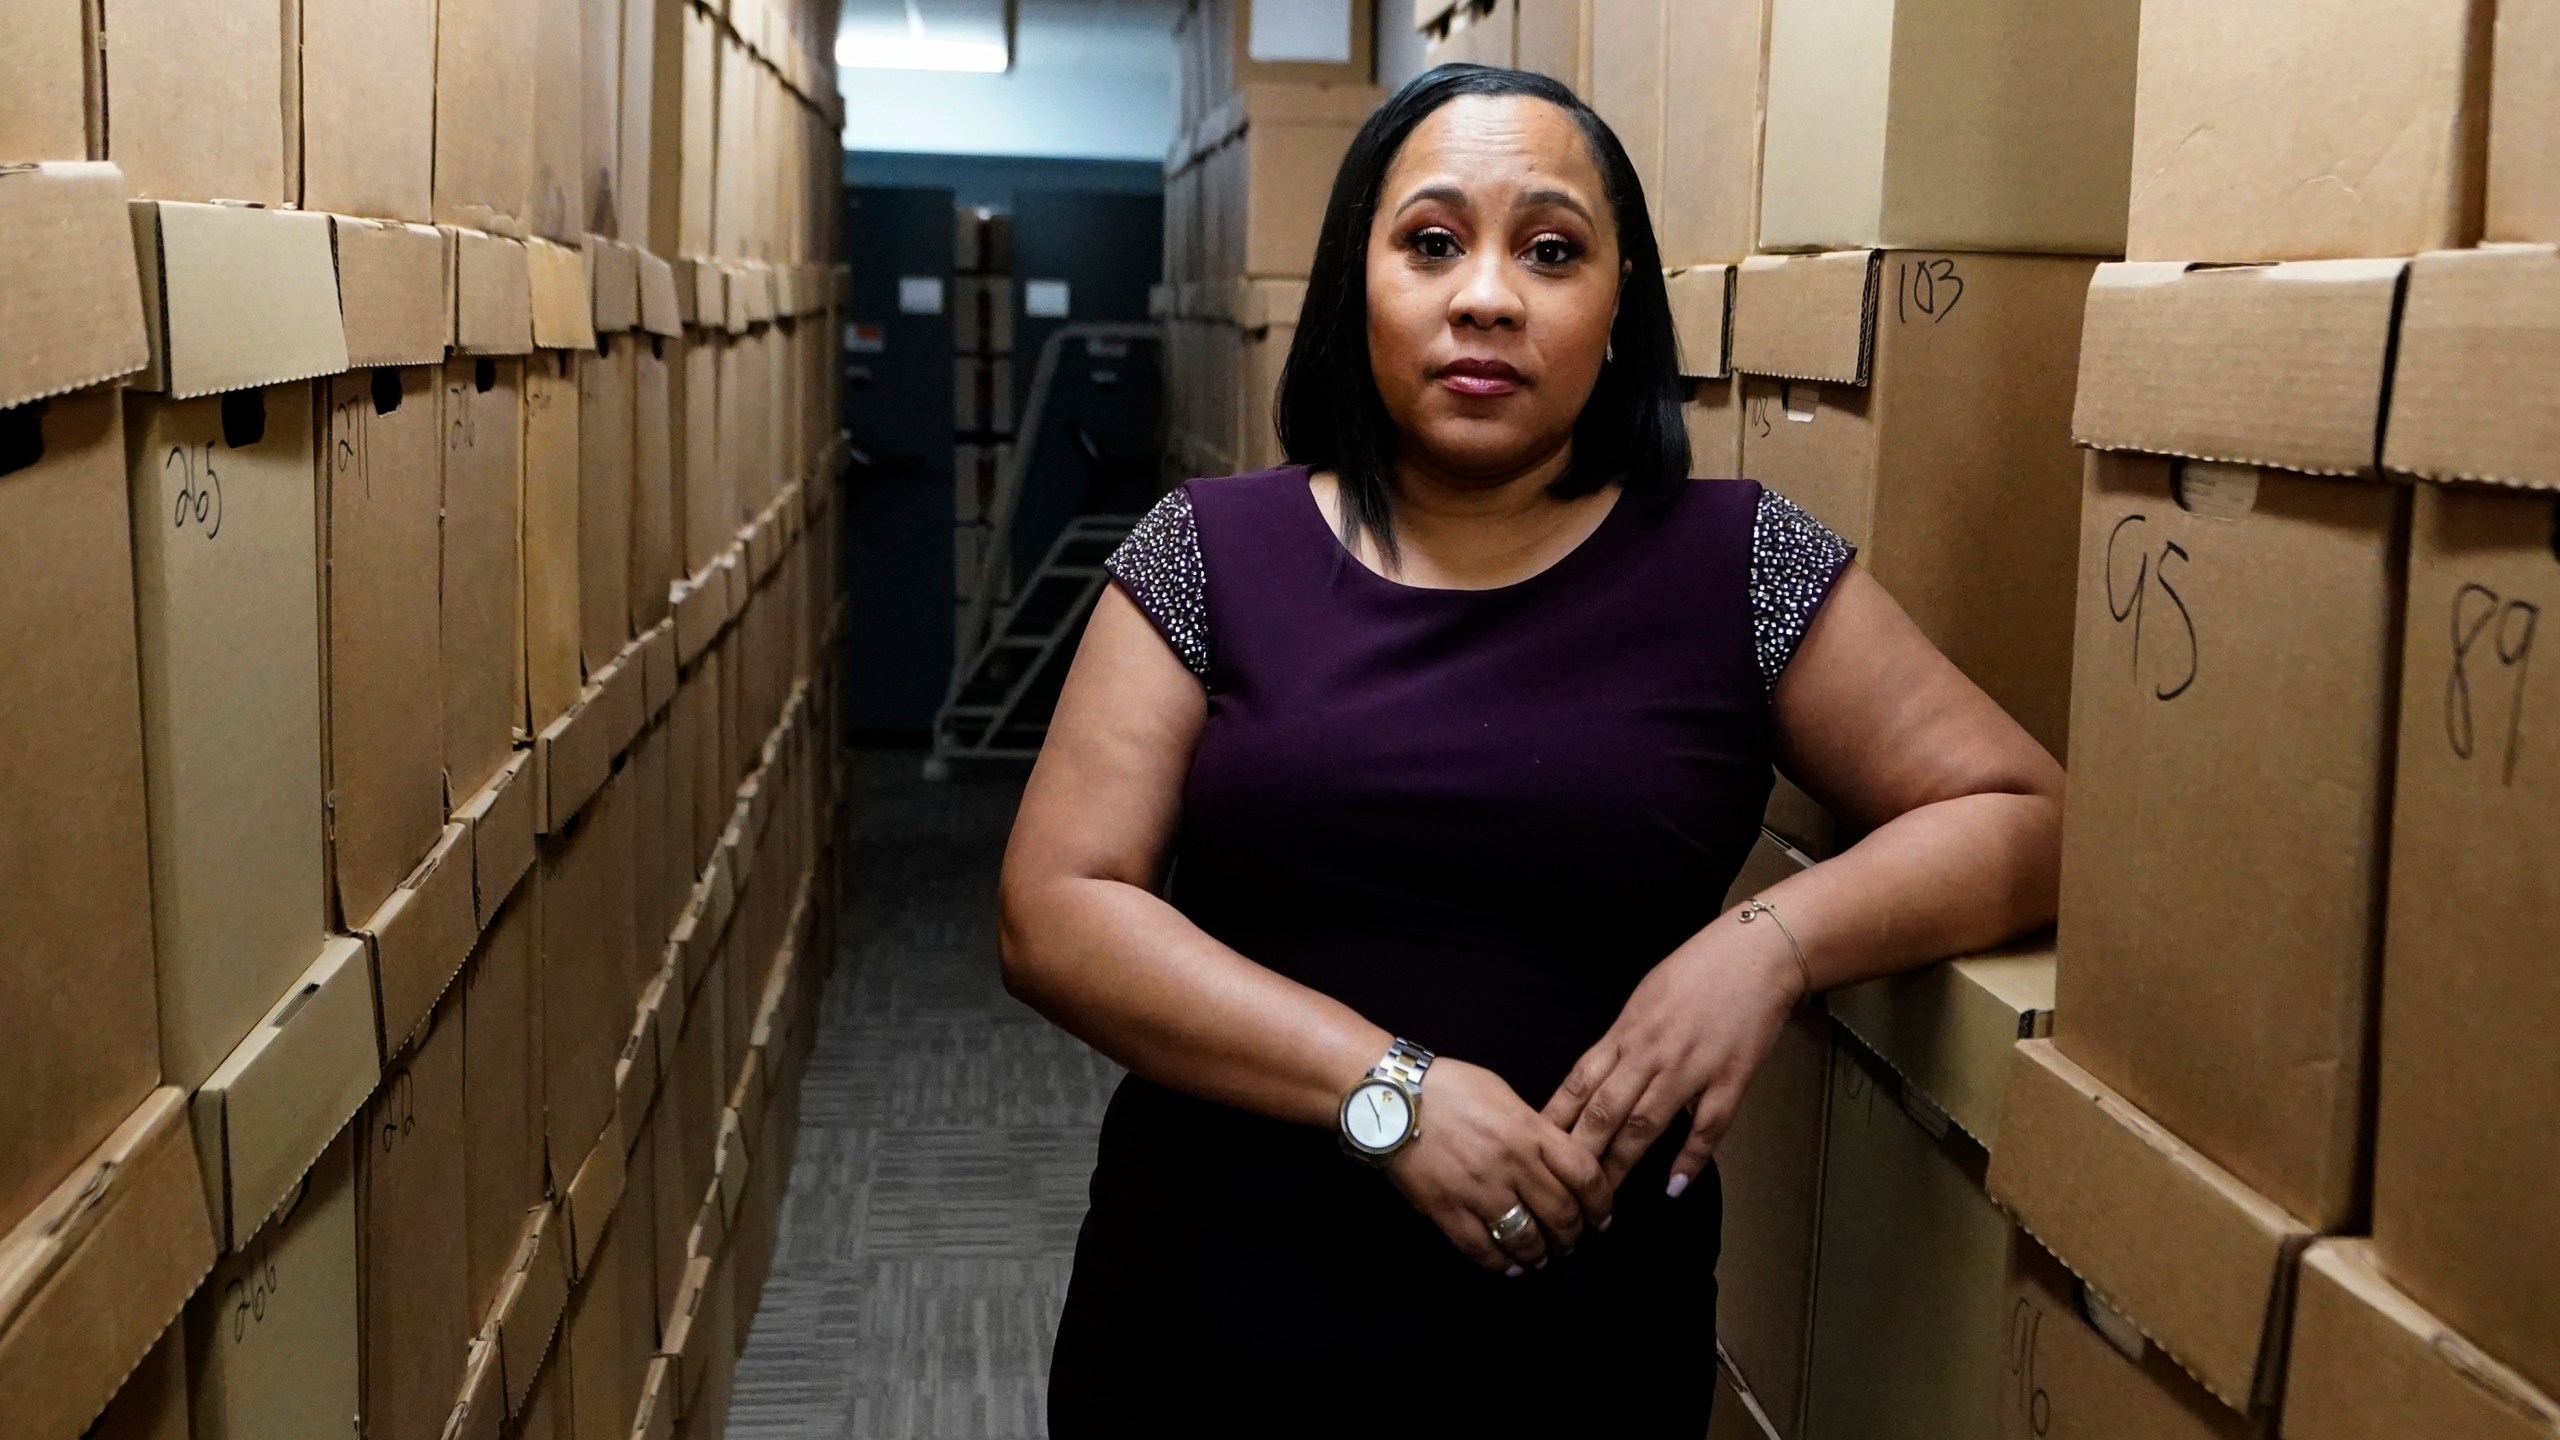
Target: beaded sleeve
x=1159 y=568
x=1795 y=560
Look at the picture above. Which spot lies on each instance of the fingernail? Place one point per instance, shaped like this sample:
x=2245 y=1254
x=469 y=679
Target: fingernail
x=1678 y=1184
x=1515 y=1272
x=1605 y=1222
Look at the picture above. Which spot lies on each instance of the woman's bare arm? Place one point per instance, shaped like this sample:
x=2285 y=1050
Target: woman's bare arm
x=1087 y=940
x=1964 y=817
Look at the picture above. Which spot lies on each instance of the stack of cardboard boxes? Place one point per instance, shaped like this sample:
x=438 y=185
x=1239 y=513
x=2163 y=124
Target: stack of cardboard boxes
x=417 y=469
x=1269 y=96
x=2296 y=1120
x=984 y=304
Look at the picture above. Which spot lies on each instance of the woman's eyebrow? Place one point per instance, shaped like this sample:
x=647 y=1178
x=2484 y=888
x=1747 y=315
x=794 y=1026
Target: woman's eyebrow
x=1449 y=195
x=1530 y=199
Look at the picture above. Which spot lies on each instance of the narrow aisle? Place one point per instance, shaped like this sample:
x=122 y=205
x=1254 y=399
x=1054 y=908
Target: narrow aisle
x=946 y=1137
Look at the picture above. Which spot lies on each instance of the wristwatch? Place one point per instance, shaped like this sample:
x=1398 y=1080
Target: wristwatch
x=1383 y=1113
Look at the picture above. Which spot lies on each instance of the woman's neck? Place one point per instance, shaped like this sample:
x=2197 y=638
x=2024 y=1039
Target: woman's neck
x=1474 y=532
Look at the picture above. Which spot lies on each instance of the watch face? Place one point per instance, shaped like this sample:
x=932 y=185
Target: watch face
x=1377 y=1116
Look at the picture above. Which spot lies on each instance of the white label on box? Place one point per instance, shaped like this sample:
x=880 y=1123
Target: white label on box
x=919 y=294
x=1044 y=299
x=864 y=339
x=1317 y=31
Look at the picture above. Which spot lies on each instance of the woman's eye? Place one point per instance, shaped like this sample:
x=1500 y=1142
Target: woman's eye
x=1434 y=244
x=1551 y=252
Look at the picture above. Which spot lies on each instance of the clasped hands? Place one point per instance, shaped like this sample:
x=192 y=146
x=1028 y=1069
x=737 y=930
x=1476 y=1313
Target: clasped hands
x=1689 y=1039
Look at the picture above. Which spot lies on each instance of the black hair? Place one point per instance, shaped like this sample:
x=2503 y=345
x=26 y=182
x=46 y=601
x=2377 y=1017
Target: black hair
x=1329 y=412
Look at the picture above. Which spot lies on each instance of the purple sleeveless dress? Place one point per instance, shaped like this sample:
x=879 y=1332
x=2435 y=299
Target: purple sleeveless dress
x=1478 y=818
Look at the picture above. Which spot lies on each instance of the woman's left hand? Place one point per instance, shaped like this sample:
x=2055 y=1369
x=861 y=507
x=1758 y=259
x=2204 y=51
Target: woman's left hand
x=1690 y=1038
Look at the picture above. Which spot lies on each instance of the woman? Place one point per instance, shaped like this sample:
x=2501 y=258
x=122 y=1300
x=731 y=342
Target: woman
x=1383 y=827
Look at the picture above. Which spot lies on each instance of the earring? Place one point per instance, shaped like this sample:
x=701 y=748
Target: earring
x=1610 y=354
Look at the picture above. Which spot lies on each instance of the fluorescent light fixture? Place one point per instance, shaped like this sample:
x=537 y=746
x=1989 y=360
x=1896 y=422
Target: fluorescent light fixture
x=956 y=40
x=917 y=52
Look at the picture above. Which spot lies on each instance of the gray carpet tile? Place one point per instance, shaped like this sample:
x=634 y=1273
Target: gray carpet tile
x=946 y=1136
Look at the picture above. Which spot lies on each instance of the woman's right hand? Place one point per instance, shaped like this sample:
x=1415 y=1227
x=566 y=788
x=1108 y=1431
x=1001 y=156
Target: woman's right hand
x=1482 y=1150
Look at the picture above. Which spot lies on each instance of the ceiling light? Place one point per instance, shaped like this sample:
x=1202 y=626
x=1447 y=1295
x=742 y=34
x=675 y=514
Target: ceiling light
x=876 y=51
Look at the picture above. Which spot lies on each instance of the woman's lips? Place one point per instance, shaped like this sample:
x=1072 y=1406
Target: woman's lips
x=1479 y=377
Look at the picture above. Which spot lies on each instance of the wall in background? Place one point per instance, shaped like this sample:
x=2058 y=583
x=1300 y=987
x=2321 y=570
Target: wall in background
x=1399 y=44
x=993 y=181
x=1090 y=78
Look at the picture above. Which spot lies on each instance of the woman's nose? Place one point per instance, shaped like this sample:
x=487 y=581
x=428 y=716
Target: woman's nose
x=1486 y=298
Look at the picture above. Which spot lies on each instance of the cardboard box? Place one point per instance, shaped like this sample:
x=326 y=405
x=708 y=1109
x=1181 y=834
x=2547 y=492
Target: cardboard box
x=563 y=296
x=1702 y=319
x=1918 y=404
x=583 y=1017
x=73 y=306
x=2370 y=1362
x=277 y=1100
x=1713 y=413
x=2524 y=123
x=600 y=64
x=1714 y=53
x=2201 y=1263
x=653 y=123
x=1946 y=1030
x=368 y=107
x=193 y=98
x=77 y=906
x=486 y=83
x=2215 y=968
x=1553 y=38
x=502 y=817
x=1939 y=124
x=2244 y=153
x=419 y=938
x=606 y=434
x=235 y=298
x=110 y=1257
x=698 y=127
x=413 y=1241
x=395 y=289
x=2068 y=1379
x=590 y=1195
x=2463 y=1173
x=152 y=1405
x=2473 y=389
x=272 y=1337
x=559 y=118
x=381 y=481
x=502 y=1102
x=605 y=1378
x=530 y=1305
x=1627 y=59
x=614 y=270
x=711 y=513
x=1270 y=154
x=654 y=541
x=492 y=295
x=481 y=588
x=550 y=545
x=44 y=72
x=228 y=615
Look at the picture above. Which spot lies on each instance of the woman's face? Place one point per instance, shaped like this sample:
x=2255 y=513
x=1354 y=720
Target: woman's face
x=1493 y=281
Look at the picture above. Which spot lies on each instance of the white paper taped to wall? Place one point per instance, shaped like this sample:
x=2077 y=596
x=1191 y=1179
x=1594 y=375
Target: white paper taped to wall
x=919 y=294
x=1045 y=299
x=1316 y=31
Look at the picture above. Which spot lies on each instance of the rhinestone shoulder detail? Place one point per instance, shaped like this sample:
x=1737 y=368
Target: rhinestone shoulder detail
x=1794 y=561
x=1159 y=566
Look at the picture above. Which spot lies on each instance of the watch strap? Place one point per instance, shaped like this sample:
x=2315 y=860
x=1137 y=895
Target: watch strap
x=1405 y=1063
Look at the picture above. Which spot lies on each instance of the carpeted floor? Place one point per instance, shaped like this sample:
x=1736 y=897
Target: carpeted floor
x=946 y=1137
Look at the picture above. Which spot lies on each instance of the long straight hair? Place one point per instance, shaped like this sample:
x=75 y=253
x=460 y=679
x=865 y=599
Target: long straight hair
x=1330 y=415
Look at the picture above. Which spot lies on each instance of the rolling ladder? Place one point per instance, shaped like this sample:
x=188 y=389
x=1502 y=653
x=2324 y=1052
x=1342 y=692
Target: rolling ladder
x=1002 y=687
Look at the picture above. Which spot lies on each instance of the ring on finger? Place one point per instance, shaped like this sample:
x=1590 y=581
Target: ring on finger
x=1515 y=1224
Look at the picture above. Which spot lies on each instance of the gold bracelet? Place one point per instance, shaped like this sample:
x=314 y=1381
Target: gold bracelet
x=1755 y=907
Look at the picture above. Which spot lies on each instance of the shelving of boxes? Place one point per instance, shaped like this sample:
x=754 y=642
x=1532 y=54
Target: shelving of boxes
x=984 y=304
x=418 y=461
x=2254 y=528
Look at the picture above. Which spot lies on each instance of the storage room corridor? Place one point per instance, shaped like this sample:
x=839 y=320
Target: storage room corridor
x=946 y=1134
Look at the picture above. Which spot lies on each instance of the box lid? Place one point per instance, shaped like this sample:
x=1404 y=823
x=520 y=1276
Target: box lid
x=395 y=286
x=531 y=1302
x=594 y=1193
x=2475 y=394
x=2196 y=1260
x=287 y=1090
x=1807 y=317
x=420 y=937
x=660 y=311
x=1261 y=304
x=501 y=817
x=2279 y=365
x=2369 y=1363
x=1284 y=104
x=616 y=273
x=69 y=299
x=235 y=297
x=563 y=313
x=492 y=294
x=1947 y=1030
x=1702 y=317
